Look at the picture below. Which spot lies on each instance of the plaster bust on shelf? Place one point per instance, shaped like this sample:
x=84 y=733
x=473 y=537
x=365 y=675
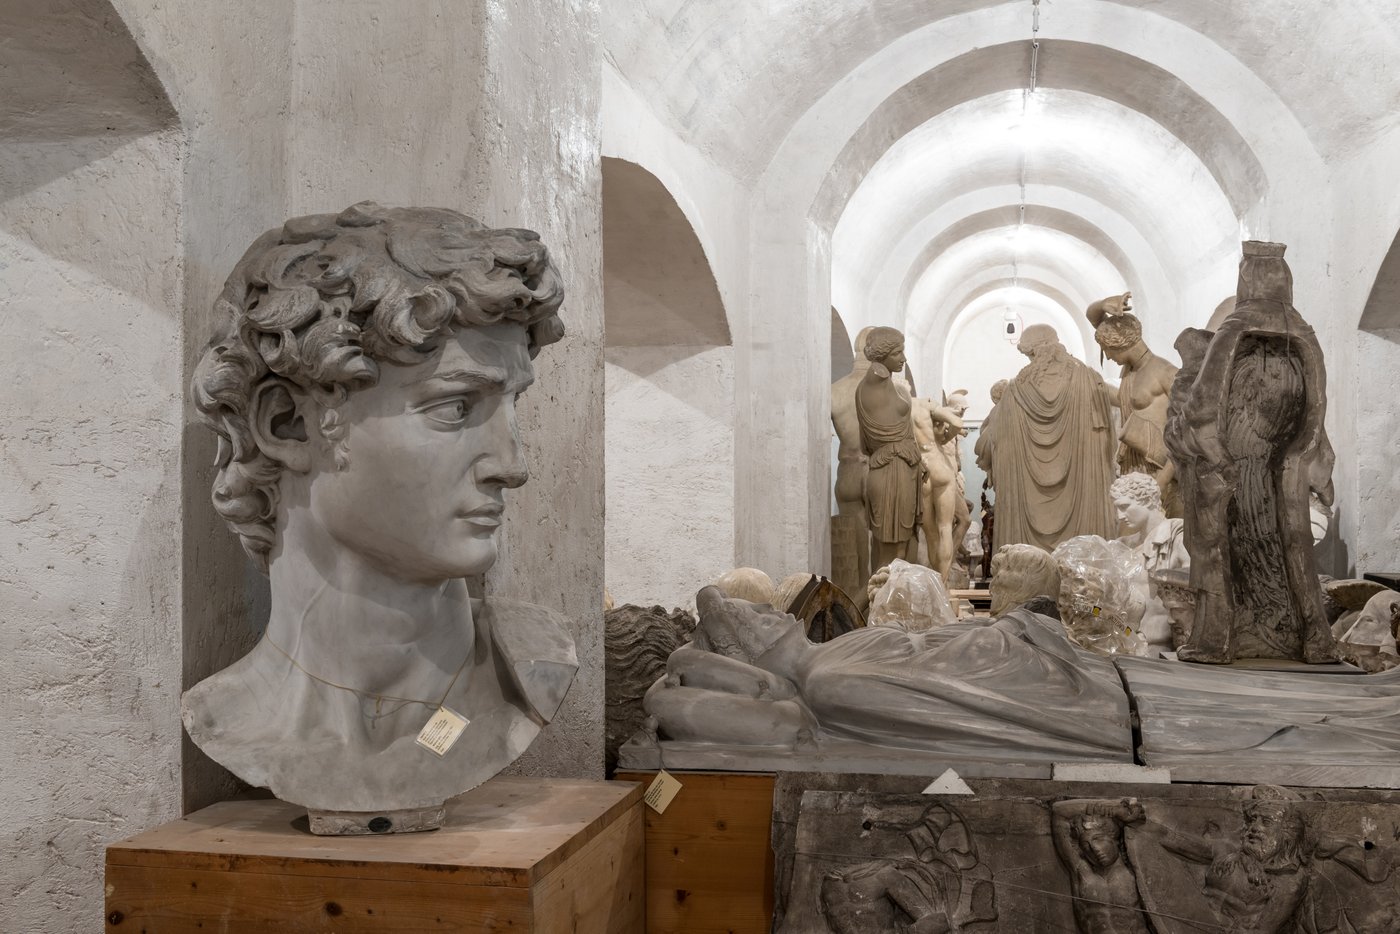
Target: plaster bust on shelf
x=363 y=386
x=1021 y=573
x=1144 y=527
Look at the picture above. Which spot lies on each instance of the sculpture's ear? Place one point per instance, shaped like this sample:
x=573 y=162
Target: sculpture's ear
x=277 y=417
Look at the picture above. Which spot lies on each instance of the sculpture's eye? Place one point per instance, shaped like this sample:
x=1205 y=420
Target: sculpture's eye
x=453 y=412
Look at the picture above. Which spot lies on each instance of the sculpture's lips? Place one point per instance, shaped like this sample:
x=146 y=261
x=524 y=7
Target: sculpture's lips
x=488 y=516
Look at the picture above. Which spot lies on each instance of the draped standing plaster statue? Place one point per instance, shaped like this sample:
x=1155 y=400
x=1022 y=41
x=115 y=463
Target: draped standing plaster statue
x=850 y=527
x=887 y=437
x=363 y=383
x=983 y=451
x=1052 y=449
x=1142 y=394
x=1253 y=446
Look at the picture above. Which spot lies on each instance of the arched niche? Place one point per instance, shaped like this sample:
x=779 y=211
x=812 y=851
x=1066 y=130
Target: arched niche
x=669 y=383
x=90 y=274
x=1377 y=420
x=658 y=289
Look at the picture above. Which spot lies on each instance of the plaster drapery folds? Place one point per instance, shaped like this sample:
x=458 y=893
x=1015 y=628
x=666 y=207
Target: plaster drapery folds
x=1053 y=451
x=1248 y=434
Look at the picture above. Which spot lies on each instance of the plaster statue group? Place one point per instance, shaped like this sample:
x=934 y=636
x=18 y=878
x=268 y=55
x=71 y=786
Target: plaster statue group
x=898 y=471
x=363 y=383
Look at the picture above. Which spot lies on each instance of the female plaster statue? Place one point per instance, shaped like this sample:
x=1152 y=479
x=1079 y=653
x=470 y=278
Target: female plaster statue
x=895 y=468
x=1053 y=448
x=1143 y=394
x=751 y=677
x=363 y=386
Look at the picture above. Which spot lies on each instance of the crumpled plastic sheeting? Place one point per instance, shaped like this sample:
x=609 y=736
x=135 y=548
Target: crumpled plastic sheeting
x=1103 y=593
x=912 y=597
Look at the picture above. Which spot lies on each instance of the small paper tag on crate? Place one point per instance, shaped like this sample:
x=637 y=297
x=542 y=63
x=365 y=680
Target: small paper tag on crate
x=442 y=731
x=661 y=791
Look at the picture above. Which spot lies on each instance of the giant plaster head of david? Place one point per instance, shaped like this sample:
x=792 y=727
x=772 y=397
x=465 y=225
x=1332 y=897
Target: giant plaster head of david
x=363 y=383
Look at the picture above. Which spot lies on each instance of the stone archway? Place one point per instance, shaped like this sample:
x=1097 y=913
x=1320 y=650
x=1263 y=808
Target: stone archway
x=669 y=380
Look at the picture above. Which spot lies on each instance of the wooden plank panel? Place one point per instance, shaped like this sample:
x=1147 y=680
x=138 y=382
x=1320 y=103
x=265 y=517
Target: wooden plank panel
x=602 y=889
x=203 y=901
x=709 y=861
x=510 y=831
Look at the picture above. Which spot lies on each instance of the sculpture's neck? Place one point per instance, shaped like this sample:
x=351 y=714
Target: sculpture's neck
x=344 y=621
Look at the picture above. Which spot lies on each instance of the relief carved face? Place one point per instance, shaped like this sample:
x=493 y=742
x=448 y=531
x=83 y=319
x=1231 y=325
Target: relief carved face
x=1098 y=841
x=426 y=455
x=1270 y=828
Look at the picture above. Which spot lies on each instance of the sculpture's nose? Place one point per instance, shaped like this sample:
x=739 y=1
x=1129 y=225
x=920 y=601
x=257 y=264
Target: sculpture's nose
x=503 y=461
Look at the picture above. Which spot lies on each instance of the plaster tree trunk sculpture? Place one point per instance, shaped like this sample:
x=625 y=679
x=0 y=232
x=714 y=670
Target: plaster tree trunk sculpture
x=1051 y=447
x=1247 y=431
x=1143 y=394
x=937 y=428
x=363 y=385
x=850 y=527
x=895 y=469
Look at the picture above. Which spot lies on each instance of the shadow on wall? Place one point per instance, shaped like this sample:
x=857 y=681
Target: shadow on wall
x=1378 y=422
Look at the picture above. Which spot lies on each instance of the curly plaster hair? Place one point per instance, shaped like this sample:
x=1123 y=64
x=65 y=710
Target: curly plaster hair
x=1118 y=332
x=1140 y=487
x=322 y=301
x=881 y=342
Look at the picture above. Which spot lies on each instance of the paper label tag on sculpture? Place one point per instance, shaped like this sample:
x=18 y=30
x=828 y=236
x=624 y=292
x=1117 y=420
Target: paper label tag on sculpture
x=442 y=730
x=661 y=791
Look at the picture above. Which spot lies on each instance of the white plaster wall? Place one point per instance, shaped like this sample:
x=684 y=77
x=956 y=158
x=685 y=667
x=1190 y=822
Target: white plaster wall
x=670 y=472
x=90 y=420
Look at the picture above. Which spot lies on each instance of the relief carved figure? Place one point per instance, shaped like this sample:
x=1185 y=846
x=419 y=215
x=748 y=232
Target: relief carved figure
x=1052 y=448
x=1143 y=393
x=943 y=887
x=1245 y=428
x=1088 y=837
x=1274 y=875
x=895 y=471
x=363 y=384
x=850 y=544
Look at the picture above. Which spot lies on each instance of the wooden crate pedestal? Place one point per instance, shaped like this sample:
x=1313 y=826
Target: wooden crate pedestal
x=517 y=854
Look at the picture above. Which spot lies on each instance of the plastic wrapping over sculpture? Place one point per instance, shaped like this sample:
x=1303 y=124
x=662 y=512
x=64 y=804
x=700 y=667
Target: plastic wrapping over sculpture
x=1103 y=593
x=911 y=598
